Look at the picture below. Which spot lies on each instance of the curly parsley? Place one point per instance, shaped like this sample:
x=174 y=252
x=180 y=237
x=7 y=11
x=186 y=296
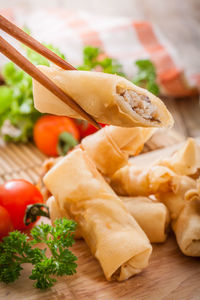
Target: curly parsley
x=18 y=249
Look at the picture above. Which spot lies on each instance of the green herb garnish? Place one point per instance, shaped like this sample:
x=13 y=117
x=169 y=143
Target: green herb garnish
x=92 y=61
x=18 y=249
x=146 y=76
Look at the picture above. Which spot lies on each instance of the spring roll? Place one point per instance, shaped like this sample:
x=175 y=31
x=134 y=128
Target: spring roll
x=151 y=215
x=174 y=200
x=184 y=207
x=185 y=161
x=112 y=234
x=132 y=180
x=187 y=226
x=109 y=98
x=55 y=211
x=111 y=146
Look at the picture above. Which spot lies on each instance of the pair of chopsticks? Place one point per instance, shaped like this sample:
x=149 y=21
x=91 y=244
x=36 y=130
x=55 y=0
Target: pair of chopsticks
x=15 y=56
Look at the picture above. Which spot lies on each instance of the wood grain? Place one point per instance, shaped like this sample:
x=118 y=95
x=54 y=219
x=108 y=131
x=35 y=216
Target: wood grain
x=170 y=276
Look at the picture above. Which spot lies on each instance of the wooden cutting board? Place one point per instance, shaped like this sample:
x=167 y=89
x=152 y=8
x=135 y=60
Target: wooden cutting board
x=169 y=276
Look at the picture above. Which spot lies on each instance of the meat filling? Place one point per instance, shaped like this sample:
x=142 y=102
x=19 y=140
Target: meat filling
x=141 y=104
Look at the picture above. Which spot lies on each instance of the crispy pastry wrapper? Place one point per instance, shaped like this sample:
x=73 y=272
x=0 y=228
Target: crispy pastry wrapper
x=184 y=207
x=106 y=97
x=174 y=200
x=132 y=180
x=57 y=213
x=112 y=234
x=185 y=161
x=187 y=227
x=111 y=146
x=151 y=215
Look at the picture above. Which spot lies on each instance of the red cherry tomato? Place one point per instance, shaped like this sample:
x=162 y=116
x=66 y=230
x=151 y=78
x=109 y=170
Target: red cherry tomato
x=85 y=128
x=15 y=195
x=5 y=222
x=48 y=133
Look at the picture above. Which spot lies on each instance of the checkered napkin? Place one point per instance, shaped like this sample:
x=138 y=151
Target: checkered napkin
x=119 y=37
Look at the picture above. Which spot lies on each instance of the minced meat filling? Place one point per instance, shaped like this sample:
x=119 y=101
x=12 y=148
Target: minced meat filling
x=141 y=104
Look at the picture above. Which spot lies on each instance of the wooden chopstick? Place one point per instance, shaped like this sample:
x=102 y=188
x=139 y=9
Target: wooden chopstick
x=35 y=73
x=26 y=39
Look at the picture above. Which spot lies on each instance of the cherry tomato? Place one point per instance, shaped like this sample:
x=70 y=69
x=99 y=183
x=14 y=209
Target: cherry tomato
x=5 y=222
x=85 y=128
x=55 y=135
x=15 y=195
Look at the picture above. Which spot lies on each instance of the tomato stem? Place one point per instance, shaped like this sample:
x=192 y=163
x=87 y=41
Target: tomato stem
x=35 y=210
x=66 y=141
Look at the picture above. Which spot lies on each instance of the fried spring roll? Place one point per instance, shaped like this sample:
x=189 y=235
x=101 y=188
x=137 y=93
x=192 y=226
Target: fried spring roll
x=185 y=161
x=174 y=200
x=151 y=215
x=187 y=226
x=109 y=98
x=135 y=181
x=111 y=146
x=184 y=207
x=112 y=234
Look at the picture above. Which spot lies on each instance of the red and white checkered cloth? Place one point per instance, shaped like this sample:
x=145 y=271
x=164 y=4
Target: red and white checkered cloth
x=119 y=37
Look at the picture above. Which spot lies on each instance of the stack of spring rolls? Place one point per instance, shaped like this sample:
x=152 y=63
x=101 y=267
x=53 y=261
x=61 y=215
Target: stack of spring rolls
x=118 y=230
x=174 y=182
x=120 y=209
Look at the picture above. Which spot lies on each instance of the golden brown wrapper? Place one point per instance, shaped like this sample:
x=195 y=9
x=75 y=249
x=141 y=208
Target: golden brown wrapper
x=97 y=93
x=186 y=160
x=112 y=234
x=187 y=227
x=151 y=215
x=132 y=180
x=174 y=200
x=184 y=207
x=111 y=146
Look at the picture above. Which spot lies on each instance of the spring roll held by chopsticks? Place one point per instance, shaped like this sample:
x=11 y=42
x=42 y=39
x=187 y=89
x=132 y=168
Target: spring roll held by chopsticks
x=151 y=215
x=112 y=234
x=109 y=98
x=111 y=146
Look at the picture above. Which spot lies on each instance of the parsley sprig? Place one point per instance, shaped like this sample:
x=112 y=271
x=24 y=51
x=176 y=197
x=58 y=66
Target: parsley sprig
x=146 y=73
x=92 y=60
x=18 y=249
x=146 y=76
